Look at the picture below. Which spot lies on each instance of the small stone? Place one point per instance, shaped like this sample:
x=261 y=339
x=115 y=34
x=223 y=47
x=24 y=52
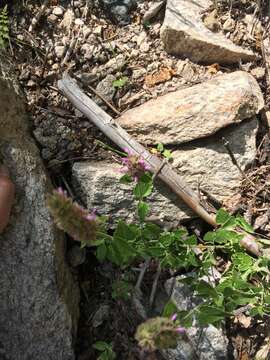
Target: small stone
x=20 y=37
x=229 y=25
x=52 y=19
x=68 y=19
x=144 y=47
x=55 y=66
x=115 y=63
x=58 y=11
x=59 y=51
x=86 y=32
x=97 y=30
x=138 y=73
x=258 y=72
x=87 y=50
x=31 y=84
x=79 y=22
x=211 y=21
x=105 y=87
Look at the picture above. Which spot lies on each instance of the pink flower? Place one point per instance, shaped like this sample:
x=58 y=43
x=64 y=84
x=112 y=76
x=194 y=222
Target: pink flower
x=180 y=330
x=133 y=165
x=174 y=317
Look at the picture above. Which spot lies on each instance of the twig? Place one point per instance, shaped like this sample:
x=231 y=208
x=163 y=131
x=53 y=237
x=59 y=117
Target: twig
x=141 y=275
x=154 y=286
x=38 y=16
x=234 y=161
x=86 y=85
x=45 y=62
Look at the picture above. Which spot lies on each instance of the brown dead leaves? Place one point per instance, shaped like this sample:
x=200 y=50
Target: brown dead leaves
x=164 y=74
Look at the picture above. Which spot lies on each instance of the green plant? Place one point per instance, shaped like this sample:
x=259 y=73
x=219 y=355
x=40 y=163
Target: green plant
x=244 y=281
x=121 y=82
x=164 y=152
x=4 y=31
x=106 y=350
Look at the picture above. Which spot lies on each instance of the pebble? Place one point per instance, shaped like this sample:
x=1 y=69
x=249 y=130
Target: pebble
x=229 y=25
x=52 y=19
x=79 y=22
x=59 y=51
x=58 y=11
x=138 y=73
x=87 y=50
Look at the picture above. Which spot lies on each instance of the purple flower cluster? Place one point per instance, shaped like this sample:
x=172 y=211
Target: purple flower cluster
x=179 y=330
x=72 y=218
x=133 y=165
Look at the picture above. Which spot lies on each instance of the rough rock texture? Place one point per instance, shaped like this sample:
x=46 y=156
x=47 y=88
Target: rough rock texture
x=207 y=343
x=195 y=112
x=39 y=299
x=205 y=161
x=184 y=33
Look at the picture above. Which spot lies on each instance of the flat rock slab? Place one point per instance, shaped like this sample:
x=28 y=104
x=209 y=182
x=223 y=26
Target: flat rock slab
x=205 y=162
x=195 y=112
x=39 y=299
x=184 y=33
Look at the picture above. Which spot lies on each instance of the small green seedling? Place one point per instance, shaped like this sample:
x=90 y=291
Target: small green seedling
x=106 y=350
x=120 y=83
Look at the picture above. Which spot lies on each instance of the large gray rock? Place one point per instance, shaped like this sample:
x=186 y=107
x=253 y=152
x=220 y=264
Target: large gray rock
x=205 y=162
x=39 y=299
x=184 y=33
x=195 y=112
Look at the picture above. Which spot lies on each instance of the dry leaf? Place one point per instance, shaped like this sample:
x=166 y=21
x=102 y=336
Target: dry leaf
x=213 y=69
x=264 y=351
x=164 y=74
x=244 y=356
x=243 y=320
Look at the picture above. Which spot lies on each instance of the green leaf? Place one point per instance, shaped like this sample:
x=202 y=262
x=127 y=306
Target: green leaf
x=243 y=224
x=160 y=147
x=143 y=210
x=167 y=154
x=210 y=237
x=222 y=216
x=169 y=309
x=121 y=82
x=242 y=261
x=190 y=240
x=210 y=315
x=144 y=186
x=126 y=179
x=101 y=252
x=203 y=288
x=100 y=345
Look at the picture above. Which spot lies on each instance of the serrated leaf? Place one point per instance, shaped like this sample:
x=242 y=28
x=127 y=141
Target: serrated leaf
x=222 y=216
x=242 y=261
x=143 y=210
x=144 y=187
x=210 y=315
